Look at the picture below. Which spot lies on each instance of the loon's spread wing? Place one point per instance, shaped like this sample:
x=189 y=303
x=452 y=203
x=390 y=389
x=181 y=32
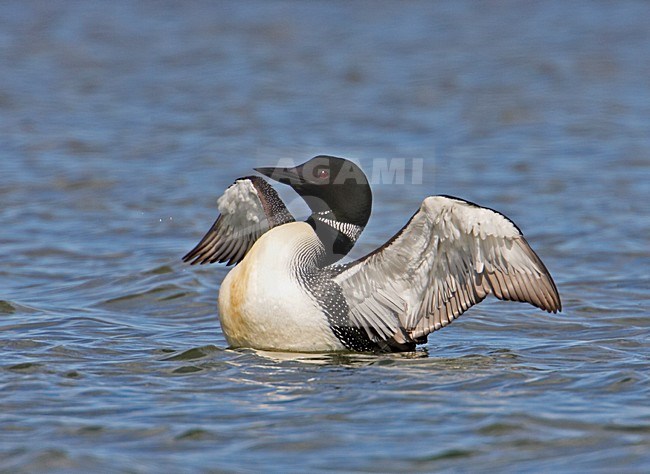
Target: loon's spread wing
x=248 y=208
x=448 y=257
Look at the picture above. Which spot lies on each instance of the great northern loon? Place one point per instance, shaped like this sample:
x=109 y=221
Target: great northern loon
x=288 y=293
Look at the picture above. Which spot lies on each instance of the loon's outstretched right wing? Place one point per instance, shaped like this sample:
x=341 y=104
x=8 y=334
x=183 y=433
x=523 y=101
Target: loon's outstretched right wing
x=448 y=257
x=248 y=208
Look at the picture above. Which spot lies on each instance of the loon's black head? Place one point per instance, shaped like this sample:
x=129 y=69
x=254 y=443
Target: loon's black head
x=338 y=194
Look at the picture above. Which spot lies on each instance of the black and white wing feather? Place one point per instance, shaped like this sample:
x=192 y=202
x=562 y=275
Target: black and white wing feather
x=248 y=208
x=447 y=258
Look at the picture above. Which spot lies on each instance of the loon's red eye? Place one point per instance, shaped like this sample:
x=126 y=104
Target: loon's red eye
x=323 y=173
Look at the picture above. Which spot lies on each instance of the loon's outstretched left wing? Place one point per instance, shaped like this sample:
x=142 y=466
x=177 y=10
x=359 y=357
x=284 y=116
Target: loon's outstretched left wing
x=448 y=257
x=249 y=208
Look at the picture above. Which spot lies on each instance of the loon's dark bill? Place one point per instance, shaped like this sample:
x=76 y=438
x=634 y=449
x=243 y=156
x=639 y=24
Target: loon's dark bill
x=288 y=176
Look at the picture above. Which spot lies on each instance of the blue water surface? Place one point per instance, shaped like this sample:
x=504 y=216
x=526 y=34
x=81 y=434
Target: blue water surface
x=122 y=122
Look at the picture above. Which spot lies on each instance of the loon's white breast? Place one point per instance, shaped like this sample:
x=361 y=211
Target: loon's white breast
x=264 y=304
